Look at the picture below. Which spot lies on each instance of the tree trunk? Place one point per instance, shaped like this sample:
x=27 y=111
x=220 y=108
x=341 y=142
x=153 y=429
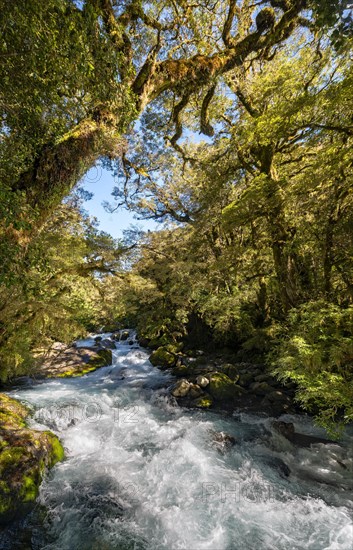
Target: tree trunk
x=59 y=166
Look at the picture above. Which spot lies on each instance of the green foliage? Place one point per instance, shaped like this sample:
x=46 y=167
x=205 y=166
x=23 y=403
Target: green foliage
x=316 y=352
x=55 y=293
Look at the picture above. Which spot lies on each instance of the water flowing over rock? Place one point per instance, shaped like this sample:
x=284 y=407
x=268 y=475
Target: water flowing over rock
x=25 y=455
x=143 y=473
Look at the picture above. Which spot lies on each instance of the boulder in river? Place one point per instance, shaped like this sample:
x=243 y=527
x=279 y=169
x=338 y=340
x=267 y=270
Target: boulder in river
x=25 y=455
x=222 y=388
x=222 y=441
x=302 y=440
x=181 y=388
x=195 y=391
x=202 y=381
x=73 y=362
x=203 y=402
x=161 y=357
x=107 y=343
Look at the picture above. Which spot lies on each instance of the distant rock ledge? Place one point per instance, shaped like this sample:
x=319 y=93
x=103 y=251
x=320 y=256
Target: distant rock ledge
x=73 y=361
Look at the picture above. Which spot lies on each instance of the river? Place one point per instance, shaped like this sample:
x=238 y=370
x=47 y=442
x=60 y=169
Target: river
x=142 y=473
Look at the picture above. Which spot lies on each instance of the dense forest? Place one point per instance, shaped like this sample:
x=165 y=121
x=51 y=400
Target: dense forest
x=228 y=121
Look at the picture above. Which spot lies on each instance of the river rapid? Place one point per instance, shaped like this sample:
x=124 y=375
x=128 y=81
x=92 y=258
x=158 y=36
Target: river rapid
x=142 y=473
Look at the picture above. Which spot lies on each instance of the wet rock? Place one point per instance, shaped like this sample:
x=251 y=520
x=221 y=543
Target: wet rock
x=302 y=440
x=143 y=342
x=25 y=455
x=202 y=381
x=204 y=402
x=131 y=342
x=161 y=357
x=222 y=388
x=278 y=401
x=284 y=428
x=195 y=391
x=181 y=370
x=181 y=388
x=232 y=371
x=124 y=335
x=107 y=343
x=222 y=441
x=277 y=464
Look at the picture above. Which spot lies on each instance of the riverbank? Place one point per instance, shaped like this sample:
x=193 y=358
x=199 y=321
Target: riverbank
x=25 y=456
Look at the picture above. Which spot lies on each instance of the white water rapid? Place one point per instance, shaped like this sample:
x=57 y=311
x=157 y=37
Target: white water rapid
x=142 y=473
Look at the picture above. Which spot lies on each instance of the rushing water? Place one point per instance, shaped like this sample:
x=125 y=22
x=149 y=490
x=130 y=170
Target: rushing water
x=143 y=473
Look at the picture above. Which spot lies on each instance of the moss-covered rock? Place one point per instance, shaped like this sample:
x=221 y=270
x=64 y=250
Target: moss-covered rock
x=161 y=357
x=232 y=371
x=222 y=388
x=181 y=371
x=204 y=402
x=73 y=362
x=25 y=455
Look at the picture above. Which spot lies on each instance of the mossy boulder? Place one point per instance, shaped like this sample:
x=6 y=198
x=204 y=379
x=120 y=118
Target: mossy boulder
x=222 y=388
x=204 y=402
x=73 y=362
x=160 y=341
x=232 y=371
x=181 y=371
x=25 y=456
x=161 y=357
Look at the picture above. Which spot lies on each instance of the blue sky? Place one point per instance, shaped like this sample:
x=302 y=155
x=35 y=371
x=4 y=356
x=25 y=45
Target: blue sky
x=101 y=183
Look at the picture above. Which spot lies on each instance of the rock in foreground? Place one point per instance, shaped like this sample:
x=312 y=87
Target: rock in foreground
x=25 y=455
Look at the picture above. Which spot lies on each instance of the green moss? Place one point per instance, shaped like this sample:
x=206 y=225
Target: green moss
x=222 y=388
x=57 y=453
x=10 y=420
x=103 y=358
x=5 y=497
x=10 y=458
x=30 y=488
x=161 y=357
x=204 y=402
x=25 y=455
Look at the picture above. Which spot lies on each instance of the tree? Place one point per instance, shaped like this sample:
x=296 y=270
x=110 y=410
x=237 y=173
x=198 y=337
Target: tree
x=88 y=69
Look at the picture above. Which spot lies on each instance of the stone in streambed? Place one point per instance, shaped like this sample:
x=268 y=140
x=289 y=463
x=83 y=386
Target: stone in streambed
x=223 y=389
x=246 y=379
x=204 y=402
x=181 y=388
x=195 y=391
x=161 y=357
x=222 y=441
x=232 y=371
x=202 y=381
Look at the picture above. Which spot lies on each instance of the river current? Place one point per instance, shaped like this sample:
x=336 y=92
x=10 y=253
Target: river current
x=142 y=473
